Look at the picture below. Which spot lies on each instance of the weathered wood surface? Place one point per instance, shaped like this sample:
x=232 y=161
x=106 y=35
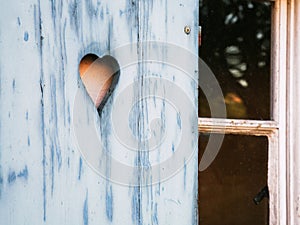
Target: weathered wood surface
x=44 y=177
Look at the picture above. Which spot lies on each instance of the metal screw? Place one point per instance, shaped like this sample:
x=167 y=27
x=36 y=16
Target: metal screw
x=187 y=30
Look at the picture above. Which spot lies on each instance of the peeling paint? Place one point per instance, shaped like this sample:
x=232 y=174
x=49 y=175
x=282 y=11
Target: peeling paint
x=178 y=120
x=11 y=178
x=1 y=183
x=135 y=207
x=26 y=36
x=92 y=10
x=86 y=210
x=14 y=84
x=61 y=32
x=19 y=21
x=23 y=173
x=52 y=169
x=28 y=141
x=109 y=203
x=154 y=216
x=74 y=12
x=80 y=168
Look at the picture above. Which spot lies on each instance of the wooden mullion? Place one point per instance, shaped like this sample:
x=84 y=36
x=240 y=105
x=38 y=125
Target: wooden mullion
x=237 y=126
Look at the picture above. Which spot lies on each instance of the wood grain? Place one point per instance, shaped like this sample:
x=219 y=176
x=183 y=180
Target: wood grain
x=44 y=178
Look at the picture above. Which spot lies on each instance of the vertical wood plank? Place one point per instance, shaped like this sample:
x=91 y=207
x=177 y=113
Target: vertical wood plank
x=173 y=199
x=21 y=118
x=74 y=192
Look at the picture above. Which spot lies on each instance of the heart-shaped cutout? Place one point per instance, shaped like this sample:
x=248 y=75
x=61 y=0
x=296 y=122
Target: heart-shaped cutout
x=100 y=77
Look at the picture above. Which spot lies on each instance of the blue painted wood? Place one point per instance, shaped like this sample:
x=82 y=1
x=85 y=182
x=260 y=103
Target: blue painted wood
x=46 y=176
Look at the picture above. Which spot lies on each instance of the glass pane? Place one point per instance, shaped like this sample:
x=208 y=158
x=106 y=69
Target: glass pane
x=227 y=188
x=235 y=44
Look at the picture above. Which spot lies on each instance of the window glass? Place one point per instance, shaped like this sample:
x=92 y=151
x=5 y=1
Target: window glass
x=235 y=44
x=237 y=177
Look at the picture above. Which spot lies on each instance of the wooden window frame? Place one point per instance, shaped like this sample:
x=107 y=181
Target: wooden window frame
x=283 y=130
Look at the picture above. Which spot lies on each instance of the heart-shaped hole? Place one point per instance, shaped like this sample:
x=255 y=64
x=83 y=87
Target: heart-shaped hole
x=100 y=77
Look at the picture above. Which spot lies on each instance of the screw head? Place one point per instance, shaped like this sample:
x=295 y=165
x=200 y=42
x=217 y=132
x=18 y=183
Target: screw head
x=187 y=30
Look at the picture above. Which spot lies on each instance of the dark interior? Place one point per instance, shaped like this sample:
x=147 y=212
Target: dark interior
x=235 y=44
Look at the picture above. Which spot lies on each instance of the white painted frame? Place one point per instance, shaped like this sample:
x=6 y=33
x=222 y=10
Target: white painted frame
x=283 y=130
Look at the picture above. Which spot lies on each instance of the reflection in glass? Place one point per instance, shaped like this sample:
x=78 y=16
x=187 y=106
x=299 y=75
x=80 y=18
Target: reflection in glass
x=235 y=44
x=227 y=188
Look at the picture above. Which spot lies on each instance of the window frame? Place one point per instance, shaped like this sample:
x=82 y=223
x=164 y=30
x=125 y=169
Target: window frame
x=281 y=130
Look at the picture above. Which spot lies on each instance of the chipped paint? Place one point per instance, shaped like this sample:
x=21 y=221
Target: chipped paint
x=1 y=182
x=178 y=120
x=28 y=141
x=52 y=173
x=86 y=210
x=11 y=178
x=26 y=36
x=109 y=203
x=19 y=21
x=23 y=173
x=14 y=84
x=80 y=168
x=135 y=207
x=154 y=215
